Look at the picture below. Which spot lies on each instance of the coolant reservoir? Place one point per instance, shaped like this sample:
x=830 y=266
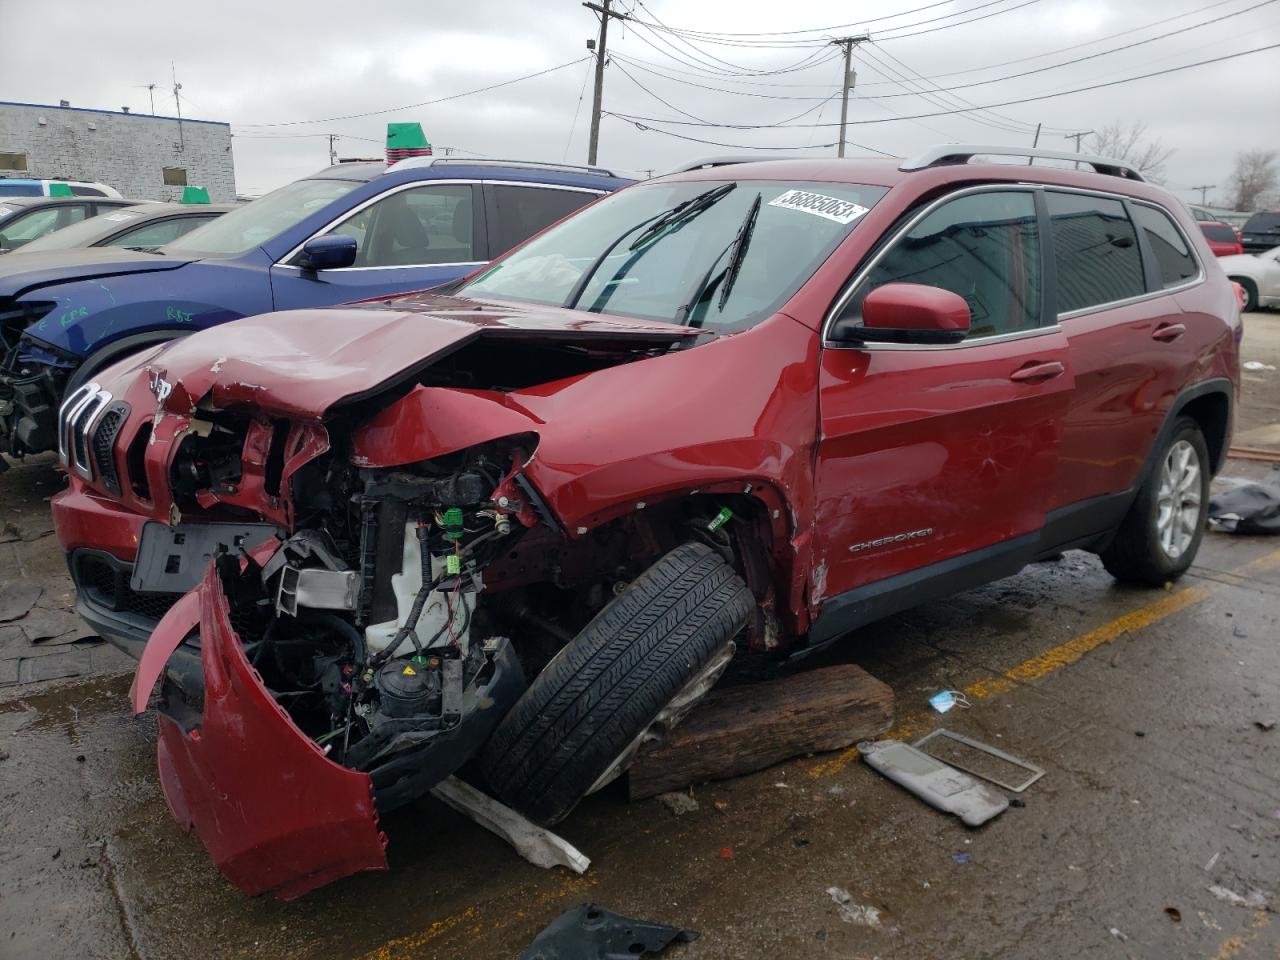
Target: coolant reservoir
x=435 y=614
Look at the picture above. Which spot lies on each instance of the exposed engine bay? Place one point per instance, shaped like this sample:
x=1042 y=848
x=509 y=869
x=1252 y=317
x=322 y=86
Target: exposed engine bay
x=364 y=625
x=381 y=626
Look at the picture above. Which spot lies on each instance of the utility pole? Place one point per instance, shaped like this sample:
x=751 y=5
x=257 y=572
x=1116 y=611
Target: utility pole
x=1205 y=188
x=151 y=89
x=1077 y=137
x=333 y=154
x=606 y=14
x=850 y=77
x=177 y=100
x=1035 y=142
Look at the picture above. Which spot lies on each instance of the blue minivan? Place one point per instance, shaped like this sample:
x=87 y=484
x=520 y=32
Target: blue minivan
x=350 y=232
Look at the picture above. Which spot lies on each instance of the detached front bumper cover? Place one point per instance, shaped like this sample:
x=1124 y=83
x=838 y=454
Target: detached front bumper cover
x=275 y=814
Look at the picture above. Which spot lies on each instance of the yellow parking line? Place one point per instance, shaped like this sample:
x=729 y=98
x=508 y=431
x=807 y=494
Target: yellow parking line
x=406 y=946
x=1064 y=654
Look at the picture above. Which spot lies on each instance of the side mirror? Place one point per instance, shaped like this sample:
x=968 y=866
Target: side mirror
x=329 y=252
x=907 y=313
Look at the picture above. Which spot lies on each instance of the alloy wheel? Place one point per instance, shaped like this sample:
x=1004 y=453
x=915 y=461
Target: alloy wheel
x=1178 y=499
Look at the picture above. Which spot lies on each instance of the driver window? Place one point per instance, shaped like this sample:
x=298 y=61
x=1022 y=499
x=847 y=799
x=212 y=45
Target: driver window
x=984 y=247
x=421 y=226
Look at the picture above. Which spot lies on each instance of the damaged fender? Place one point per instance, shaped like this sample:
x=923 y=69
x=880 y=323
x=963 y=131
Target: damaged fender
x=275 y=814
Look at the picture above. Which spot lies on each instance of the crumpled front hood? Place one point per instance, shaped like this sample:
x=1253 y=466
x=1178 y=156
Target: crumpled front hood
x=21 y=272
x=301 y=363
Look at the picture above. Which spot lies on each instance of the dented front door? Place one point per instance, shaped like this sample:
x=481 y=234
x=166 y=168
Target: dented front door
x=928 y=455
x=939 y=453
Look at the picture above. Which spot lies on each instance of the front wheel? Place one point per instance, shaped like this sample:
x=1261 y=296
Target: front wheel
x=645 y=656
x=1158 y=538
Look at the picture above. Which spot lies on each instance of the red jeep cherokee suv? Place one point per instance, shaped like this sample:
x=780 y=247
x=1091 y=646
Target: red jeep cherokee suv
x=527 y=519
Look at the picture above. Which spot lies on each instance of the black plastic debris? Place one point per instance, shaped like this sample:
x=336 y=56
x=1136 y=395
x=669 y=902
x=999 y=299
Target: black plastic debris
x=590 y=932
x=1248 y=509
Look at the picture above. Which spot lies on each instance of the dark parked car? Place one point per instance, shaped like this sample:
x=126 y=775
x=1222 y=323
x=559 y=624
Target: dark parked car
x=349 y=232
x=24 y=219
x=141 y=227
x=1261 y=232
x=748 y=407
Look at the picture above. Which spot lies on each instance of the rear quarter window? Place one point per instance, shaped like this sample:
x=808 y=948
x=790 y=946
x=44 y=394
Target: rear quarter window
x=1095 y=250
x=1172 y=253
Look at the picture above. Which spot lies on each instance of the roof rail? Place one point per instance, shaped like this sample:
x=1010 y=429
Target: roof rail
x=411 y=162
x=709 y=162
x=961 y=153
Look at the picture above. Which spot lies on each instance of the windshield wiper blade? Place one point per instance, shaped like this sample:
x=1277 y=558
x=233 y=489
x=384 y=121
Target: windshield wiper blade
x=146 y=250
x=740 y=244
x=682 y=212
x=737 y=251
x=652 y=226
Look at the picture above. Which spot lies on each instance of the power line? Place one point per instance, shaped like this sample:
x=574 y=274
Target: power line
x=1094 y=56
x=743 y=146
x=780 y=44
x=937 y=99
x=576 y=110
x=1005 y=103
x=668 y=103
x=424 y=103
x=647 y=65
x=1022 y=126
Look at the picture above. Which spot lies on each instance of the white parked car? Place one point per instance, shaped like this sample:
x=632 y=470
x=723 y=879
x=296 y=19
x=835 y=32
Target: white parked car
x=27 y=187
x=1258 y=274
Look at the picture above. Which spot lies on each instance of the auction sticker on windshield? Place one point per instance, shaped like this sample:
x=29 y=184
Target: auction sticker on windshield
x=833 y=208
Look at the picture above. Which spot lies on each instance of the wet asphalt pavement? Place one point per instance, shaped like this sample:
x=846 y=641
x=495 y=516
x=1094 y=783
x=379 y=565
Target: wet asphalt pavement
x=1150 y=710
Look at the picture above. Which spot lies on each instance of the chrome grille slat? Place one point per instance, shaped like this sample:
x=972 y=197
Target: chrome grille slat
x=67 y=413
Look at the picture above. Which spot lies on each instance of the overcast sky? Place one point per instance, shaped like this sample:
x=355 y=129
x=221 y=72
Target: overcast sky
x=273 y=63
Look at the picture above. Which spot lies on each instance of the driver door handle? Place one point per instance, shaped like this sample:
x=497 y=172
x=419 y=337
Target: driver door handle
x=1038 y=372
x=1168 y=332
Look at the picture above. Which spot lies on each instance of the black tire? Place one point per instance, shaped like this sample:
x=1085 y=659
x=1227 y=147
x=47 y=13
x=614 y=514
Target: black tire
x=1250 y=294
x=608 y=684
x=1137 y=553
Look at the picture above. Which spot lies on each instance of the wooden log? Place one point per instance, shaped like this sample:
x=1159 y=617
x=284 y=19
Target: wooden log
x=742 y=729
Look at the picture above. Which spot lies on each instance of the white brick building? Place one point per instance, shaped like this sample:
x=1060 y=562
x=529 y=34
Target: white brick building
x=142 y=156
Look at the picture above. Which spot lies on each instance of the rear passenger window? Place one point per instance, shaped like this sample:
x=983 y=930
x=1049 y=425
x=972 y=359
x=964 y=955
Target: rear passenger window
x=1096 y=251
x=1173 y=255
x=523 y=211
x=984 y=247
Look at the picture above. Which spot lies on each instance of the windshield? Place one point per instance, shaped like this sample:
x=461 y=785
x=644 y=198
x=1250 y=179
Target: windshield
x=83 y=233
x=255 y=223
x=721 y=255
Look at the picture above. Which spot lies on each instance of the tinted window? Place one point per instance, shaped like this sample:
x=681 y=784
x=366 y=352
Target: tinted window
x=86 y=191
x=425 y=225
x=1096 y=251
x=984 y=247
x=1219 y=232
x=1173 y=256
x=523 y=211
x=157 y=234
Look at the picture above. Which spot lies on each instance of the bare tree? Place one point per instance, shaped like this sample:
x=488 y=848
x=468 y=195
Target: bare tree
x=1255 y=176
x=1129 y=142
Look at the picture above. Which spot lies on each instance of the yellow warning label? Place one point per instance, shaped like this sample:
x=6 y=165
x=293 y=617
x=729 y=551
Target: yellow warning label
x=409 y=671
